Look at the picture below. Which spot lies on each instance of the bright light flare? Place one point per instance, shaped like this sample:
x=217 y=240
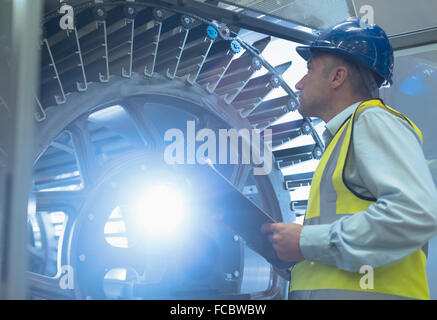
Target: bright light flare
x=160 y=210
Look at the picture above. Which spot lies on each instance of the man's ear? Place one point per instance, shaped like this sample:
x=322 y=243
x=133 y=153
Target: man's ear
x=338 y=76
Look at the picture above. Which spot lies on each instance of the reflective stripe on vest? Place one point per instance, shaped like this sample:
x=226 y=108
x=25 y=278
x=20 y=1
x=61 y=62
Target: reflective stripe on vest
x=406 y=278
x=333 y=294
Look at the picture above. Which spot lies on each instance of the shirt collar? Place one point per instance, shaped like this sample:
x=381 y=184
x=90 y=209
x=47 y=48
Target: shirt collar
x=335 y=123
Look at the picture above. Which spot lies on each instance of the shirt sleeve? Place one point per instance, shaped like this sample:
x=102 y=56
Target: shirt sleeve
x=390 y=162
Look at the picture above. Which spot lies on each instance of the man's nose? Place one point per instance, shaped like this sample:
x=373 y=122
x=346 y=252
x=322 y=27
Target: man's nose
x=299 y=85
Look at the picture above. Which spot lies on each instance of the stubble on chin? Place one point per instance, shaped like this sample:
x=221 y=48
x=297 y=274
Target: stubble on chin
x=301 y=110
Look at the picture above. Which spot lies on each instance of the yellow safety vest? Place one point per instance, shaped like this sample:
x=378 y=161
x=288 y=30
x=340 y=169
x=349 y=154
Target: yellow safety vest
x=331 y=199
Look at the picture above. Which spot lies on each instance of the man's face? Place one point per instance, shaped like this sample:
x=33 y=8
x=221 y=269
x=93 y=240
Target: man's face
x=314 y=88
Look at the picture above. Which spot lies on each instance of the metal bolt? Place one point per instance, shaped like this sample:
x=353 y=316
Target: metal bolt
x=317 y=153
x=100 y=12
x=256 y=64
x=274 y=81
x=236 y=238
x=306 y=128
x=82 y=257
x=130 y=10
x=236 y=274
x=187 y=20
x=235 y=46
x=211 y=32
x=159 y=13
x=292 y=104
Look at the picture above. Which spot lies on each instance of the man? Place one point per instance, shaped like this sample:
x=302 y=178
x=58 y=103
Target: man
x=373 y=203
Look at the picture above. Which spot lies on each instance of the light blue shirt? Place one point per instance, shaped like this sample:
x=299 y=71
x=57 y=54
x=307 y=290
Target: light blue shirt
x=386 y=162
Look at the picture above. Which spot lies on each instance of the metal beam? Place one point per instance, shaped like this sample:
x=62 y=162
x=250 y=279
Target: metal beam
x=19 y=34
x=414 y=39
x=415 y=50
x=239 y=19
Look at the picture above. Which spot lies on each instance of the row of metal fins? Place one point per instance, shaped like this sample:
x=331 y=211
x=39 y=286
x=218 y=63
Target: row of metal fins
x=125 y=39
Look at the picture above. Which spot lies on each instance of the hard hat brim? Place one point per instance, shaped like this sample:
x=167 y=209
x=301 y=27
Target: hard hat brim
x=304 y=52
x=307 y=52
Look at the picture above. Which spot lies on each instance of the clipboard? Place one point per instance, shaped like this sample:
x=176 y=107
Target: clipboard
x=237 y=212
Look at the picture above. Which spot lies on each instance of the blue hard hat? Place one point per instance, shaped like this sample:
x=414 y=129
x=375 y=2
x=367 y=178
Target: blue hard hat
x=365 y=44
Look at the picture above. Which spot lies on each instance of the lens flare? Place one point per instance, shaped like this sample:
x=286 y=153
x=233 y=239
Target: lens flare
x=160 y=210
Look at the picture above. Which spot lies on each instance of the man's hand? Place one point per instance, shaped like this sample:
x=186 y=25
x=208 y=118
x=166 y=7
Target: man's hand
x=285 y=240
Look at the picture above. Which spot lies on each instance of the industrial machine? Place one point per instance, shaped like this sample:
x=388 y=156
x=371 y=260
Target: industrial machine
x=120 y=81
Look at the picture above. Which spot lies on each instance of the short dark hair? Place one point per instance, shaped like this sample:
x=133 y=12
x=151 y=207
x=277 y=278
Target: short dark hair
x=363 y=81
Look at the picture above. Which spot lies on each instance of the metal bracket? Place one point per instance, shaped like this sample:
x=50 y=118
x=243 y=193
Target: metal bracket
x=211 y=87
x=102 y=77
x=151 y=67
x=80 y=86
x=40 y=114
x=179 y=55
x=124 y=73
x=192 y=80
x=59 y=99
